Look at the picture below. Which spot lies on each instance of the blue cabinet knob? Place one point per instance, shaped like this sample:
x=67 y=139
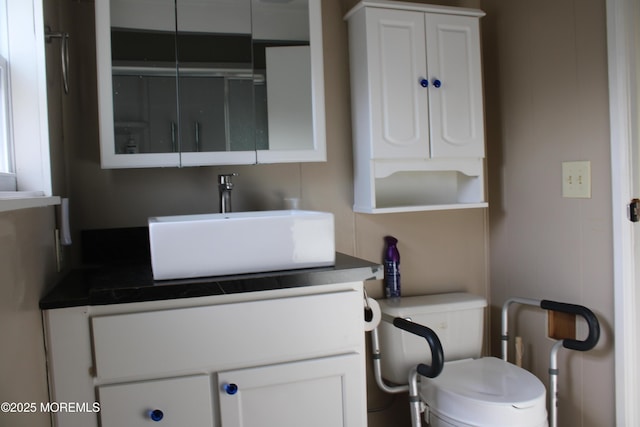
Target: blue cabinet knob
x=156 y=415
x=424 y=82
x=437 y=83
x=230 y=388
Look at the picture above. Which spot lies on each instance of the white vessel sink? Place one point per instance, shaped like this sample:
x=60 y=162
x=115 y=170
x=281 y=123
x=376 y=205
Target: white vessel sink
x=240 y=242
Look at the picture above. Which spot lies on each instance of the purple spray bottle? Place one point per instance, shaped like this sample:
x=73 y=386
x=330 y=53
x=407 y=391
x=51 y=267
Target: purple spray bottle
x=391 y=268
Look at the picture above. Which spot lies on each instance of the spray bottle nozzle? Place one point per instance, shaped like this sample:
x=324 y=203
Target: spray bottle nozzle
x=392 y=253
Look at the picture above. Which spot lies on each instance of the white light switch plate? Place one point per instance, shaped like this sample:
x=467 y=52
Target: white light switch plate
x=576 y=179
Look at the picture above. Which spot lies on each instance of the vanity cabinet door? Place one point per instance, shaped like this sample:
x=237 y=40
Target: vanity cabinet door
x=323 y=392
x=184 y=402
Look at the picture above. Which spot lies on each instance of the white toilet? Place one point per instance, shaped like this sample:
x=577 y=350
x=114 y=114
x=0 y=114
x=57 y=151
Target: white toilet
x=471 y=391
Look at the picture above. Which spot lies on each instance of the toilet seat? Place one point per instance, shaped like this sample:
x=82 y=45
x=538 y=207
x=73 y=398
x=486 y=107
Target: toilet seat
x=485 y=392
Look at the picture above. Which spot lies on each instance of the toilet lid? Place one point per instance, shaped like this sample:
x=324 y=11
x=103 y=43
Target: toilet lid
x=486 y=392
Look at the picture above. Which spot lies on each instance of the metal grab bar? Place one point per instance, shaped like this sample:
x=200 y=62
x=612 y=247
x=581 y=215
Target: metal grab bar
x=591 y=319
x=437 y=355
x=376 y=357
x=64 y=53
x=571 y=344
x=578 y=345
x=437 y=363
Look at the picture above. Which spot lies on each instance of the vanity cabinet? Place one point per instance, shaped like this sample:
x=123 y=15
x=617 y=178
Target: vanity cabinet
x=286 y=357
x=417 y=107
x=186 y=83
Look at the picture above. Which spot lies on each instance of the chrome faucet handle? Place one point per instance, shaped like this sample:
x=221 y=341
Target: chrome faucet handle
x=224 y=180
x=224 y=189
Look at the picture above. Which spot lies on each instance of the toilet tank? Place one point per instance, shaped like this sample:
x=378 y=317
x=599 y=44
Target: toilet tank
x=457 y=319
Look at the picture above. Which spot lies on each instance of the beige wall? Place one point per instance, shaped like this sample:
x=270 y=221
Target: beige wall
x=28 y=268
x=27 y=265
x=547 y=102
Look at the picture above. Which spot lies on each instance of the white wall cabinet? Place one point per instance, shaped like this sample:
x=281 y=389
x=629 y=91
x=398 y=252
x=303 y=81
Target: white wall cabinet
x=417 y=107
x=288 y=358
x=184 y=83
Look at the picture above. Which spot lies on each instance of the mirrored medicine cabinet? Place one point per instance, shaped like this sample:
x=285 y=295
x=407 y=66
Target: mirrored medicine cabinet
x=209 y=82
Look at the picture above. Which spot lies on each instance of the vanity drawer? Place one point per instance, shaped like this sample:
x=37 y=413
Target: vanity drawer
x=227 y=336
x=184 y=402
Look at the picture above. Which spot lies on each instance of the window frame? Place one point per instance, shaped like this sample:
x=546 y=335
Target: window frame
x=23 y=46
x=7 y=168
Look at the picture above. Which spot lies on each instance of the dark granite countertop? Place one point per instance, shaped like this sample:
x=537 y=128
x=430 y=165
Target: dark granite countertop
x=133 y=282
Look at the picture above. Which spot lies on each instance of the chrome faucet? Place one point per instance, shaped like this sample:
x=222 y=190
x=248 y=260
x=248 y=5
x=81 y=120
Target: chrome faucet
x=224 y=188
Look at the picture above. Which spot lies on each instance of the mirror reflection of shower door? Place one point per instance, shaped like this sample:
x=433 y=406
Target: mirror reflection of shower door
x=143 y=77
x=202 y=117
x=215 y=76
x=241 y=123
x=216 y=114
x=144 y=113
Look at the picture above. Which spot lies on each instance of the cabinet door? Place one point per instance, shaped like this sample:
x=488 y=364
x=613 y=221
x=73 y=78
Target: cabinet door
x=453 y=58
x=326 y=392
x=215 y=69
x=136 y=109
x=180 y=402
x=397 y=66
